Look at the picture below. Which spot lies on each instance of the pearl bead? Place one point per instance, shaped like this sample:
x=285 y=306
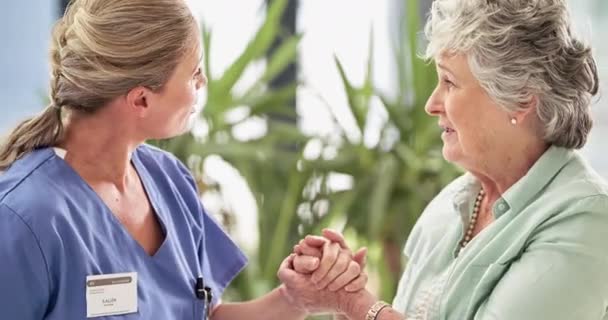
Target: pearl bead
x=473 y=220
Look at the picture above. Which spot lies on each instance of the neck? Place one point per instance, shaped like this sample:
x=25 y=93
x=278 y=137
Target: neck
x=497 y=176
x=99 y=148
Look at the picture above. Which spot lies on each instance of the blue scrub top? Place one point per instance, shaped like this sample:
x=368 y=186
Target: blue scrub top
x=55 y=231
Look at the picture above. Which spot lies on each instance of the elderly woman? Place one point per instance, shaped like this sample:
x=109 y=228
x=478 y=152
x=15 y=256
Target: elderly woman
x=521 y=234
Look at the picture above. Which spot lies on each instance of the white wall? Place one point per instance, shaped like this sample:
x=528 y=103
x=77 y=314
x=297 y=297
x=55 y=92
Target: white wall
x=24 y=38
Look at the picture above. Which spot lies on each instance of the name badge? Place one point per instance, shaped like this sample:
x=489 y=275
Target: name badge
x=111 y=294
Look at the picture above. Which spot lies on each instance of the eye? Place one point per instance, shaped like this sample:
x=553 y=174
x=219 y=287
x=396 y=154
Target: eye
x=447 y=83
x=198 y=72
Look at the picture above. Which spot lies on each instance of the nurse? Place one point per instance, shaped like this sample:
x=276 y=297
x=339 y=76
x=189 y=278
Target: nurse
x=96 y=224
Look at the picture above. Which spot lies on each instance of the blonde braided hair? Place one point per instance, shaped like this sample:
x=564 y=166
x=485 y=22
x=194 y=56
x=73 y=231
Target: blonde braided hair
x=100 y=50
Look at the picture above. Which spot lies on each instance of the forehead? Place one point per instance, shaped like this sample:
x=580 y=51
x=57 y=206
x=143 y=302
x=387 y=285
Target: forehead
x=455 y=64
x=191 y=58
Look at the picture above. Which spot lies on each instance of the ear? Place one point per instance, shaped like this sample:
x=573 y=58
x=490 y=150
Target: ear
x=527 y=109
x=138 y=100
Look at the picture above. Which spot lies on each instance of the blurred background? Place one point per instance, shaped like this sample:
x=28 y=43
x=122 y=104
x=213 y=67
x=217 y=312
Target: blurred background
x=313 y=118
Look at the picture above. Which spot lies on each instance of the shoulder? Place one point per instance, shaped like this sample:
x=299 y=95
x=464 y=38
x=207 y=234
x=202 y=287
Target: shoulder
x=25 y=172
x=571 y=212
x=577 y=179
x=576 y=190
x=32 y=186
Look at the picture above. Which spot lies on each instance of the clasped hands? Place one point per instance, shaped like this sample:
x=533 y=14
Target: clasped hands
x=323 y=275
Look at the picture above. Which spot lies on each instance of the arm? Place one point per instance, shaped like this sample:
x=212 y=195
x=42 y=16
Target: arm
x=24 y=278
x=272 y=306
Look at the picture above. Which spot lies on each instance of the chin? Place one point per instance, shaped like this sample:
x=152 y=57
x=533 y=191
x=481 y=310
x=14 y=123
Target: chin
x=169 y=133
x=451 y=153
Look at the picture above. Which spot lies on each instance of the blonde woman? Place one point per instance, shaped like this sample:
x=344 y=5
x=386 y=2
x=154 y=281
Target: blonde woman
x=522 y=235
x=95 y=224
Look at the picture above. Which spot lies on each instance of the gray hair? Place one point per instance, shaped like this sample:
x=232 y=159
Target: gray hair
x=518 y=49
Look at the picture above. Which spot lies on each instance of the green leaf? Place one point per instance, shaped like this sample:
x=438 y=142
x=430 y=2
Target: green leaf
x=271 y=101
x=286 y=215
x=358 y=110
x=256 y=48
x=381 y=194
x=206 y=34
x=282 y=57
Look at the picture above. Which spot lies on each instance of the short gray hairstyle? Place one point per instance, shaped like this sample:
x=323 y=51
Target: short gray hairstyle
x=518 y=49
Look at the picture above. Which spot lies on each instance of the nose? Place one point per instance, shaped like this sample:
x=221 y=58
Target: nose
x=434 y=105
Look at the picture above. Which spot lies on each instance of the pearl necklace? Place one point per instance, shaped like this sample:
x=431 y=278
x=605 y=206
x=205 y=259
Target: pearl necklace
x=469 y=234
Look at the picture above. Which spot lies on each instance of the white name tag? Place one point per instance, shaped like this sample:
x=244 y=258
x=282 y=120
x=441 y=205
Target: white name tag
x=111 y=294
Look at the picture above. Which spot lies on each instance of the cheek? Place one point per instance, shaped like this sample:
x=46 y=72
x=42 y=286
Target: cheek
x=467 y=121
x=459 y=112
x=186 y=96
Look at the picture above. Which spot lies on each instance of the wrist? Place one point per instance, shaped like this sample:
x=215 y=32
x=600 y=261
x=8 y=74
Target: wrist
x=356 y=305
x=293 y=308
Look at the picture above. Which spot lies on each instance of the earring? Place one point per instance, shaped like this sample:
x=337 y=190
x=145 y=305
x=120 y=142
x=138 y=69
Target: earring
x=513 y=121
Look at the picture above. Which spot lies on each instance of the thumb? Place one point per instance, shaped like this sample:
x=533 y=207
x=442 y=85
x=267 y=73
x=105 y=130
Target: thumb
x=361 y=257
x=286 y=272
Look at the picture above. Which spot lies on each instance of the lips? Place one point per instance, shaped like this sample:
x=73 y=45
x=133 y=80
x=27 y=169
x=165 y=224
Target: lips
x=446 y=129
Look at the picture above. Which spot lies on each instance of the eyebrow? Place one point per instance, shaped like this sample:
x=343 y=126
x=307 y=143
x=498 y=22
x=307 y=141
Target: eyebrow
x=442 y=66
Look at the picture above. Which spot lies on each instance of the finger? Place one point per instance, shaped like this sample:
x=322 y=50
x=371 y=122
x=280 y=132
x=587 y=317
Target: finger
x=315 y=241
x=288 y=262
x=335 y=236
x=357 y=284
x=352 y=272
x=360 y=257
x=337 y=269
x=330 y=255
x=297 y=250
x=286 y=273
x=305 y=264
x=307 y=250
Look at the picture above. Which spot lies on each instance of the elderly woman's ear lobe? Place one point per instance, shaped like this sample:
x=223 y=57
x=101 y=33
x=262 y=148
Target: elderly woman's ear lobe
x=527 y=109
